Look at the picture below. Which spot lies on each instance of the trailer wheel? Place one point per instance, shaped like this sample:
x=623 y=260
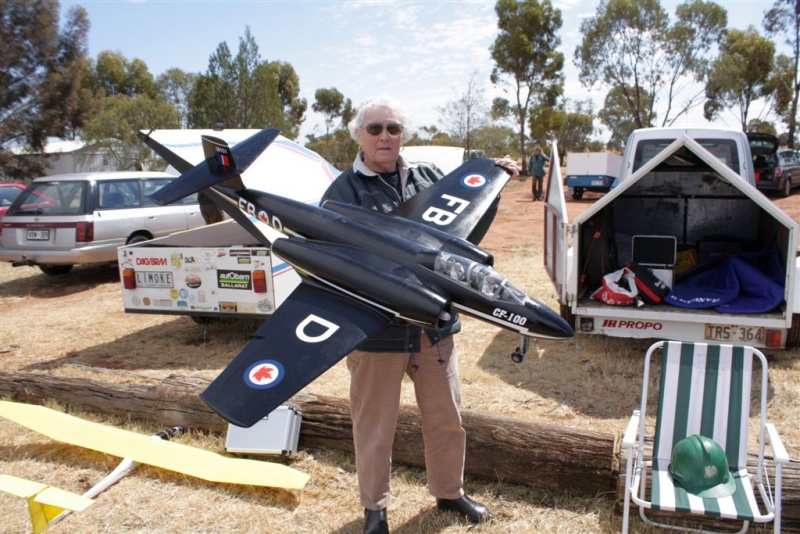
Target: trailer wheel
x=793 y=336
x=577 y=193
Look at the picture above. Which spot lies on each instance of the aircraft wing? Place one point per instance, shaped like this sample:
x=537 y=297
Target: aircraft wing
x=309 y=332
x=144 y=449
x=457 y=202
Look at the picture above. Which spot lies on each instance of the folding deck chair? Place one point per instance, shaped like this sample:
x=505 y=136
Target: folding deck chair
x=705 y=390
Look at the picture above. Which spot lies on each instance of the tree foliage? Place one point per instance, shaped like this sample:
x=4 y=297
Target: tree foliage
x=783 y=19
x=629 y=46
x=617 y=117
x=571 y=123
x=114 y=74
x=525 y=50
x=175 y=86
x=40 y=73
x=114 y=129
x=332 y=105
x=740 y=75
x=243 y=91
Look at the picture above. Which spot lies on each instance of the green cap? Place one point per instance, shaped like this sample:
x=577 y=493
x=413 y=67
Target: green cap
x=699 y=466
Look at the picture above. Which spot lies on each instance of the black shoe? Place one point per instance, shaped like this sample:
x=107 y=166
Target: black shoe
x=474 y=511
x=375 y=522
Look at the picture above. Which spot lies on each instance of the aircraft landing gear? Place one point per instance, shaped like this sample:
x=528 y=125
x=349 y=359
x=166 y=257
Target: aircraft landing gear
x=519 y=354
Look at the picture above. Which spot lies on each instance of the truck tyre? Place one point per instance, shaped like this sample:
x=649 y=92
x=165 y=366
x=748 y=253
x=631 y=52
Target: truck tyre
x=55 y=270
x=577 y=193
x=793 y=336
x=787 y=187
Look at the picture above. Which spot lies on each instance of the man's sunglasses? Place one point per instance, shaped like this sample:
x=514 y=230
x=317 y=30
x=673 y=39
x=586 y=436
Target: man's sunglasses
x=375 y=128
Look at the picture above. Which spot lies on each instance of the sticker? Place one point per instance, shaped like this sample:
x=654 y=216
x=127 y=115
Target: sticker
x=264 y=374
x=474 y=181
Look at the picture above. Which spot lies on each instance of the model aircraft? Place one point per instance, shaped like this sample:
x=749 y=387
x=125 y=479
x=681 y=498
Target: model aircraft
x=360 y=270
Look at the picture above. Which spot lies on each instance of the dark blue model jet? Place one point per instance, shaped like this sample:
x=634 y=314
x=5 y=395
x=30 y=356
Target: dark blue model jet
x=360 y=270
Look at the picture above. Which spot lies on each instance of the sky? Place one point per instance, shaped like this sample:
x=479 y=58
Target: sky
x=419 y=52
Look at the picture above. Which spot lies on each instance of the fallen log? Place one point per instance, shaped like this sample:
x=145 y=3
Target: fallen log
x=498 y=448
x=548 y=457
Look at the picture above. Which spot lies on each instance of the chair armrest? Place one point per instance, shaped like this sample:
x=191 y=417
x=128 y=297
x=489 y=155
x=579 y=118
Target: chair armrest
x=778 y=450
x=629 y=439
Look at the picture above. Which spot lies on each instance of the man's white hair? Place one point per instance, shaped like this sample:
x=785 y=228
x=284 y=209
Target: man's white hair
x=380 y=102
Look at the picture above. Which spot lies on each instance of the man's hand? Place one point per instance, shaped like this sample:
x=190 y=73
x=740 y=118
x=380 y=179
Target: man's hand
x=507 y=163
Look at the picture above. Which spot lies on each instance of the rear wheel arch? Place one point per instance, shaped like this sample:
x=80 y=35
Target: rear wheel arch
x=138 y=237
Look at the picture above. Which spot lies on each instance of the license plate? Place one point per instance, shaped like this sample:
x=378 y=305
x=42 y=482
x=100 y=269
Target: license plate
x=726 y=332
x=597 y=182
x=38 y=235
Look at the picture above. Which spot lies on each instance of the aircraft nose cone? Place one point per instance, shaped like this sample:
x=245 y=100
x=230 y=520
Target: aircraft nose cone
x=549 y=323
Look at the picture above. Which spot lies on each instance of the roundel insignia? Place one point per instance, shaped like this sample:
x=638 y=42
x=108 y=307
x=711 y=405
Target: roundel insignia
x=264 y=374
x=474 y=181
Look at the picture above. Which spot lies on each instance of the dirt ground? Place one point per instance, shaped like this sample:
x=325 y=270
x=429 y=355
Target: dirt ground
x=75 y=326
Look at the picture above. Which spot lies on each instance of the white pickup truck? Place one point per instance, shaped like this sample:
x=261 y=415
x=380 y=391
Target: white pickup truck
x=684 y=197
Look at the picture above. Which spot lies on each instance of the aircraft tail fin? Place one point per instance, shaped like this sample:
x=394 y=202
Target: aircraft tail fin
x=222 y=163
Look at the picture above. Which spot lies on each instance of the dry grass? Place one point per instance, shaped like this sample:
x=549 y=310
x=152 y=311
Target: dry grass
x=68 y=325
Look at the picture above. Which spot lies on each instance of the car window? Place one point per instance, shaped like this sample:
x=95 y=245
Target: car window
x=118 y=194
x=154 y=184
x=9 y=194
x=724 y=149
x=51 y=198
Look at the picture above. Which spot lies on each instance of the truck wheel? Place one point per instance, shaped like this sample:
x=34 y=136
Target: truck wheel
x=55 y=270
x=793 y=336
x=787 y=187
x=577 y=193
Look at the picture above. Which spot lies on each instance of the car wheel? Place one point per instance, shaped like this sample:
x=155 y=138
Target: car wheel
x=577 y=193
x=55 y=270
x=787 y=187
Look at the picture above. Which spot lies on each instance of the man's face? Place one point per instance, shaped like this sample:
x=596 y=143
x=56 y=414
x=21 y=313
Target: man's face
x=381 y=148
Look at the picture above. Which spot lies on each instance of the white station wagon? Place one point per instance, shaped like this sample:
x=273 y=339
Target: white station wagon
x=63 y=220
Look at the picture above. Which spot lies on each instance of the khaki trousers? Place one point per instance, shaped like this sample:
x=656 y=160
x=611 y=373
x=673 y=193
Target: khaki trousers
x=375 y=385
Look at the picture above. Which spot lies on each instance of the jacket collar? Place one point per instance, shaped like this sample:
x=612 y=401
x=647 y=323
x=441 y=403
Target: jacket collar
x=361 y=168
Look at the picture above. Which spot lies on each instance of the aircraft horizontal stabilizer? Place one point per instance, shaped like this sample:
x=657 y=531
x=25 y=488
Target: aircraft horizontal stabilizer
x=44 y=502
x=222 y=163
x=180 y=164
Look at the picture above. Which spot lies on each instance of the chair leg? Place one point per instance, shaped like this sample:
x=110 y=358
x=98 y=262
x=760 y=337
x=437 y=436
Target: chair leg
x=626 y=511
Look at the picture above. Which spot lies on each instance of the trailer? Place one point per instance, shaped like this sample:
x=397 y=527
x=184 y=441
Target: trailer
x=220 y=270
x=591 y=171
x=677 y=211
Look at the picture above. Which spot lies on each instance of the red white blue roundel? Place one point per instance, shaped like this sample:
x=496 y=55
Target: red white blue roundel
x=474 y=181
x=264 y=374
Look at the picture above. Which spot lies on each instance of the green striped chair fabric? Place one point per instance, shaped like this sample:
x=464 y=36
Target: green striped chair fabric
x=704 y=389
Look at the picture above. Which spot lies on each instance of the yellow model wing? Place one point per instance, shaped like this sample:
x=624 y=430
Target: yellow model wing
x=168 y=455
